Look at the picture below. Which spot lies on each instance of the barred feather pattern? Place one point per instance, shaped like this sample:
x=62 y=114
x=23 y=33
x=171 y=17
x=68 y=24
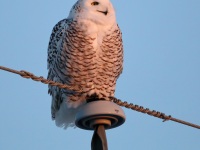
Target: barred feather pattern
x=76 y=58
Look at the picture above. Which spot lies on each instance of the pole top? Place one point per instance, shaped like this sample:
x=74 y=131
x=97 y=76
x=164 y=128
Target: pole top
x=95 y=113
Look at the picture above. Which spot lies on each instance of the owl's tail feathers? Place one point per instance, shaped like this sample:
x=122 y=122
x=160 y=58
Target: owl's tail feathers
x=65 y=116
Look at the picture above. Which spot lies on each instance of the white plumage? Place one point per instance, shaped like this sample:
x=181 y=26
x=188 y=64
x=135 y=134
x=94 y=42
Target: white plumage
x=85 y=50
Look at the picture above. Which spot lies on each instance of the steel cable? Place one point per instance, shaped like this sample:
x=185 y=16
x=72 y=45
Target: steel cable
x=138 y=108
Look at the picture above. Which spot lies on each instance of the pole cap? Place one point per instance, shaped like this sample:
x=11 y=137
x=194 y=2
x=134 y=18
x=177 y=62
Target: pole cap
x=99 y=112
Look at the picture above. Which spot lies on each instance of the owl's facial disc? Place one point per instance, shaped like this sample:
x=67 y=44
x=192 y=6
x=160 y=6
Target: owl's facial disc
x=99 y=7
x=98 y=11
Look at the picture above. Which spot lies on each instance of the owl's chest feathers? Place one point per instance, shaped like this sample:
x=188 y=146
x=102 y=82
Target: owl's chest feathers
x=97 y=32
x=84 y=52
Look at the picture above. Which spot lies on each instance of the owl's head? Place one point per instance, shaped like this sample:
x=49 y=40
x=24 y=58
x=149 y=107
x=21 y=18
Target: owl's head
x=98 y=11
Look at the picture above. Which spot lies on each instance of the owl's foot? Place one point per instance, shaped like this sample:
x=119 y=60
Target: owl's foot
x=94 y=97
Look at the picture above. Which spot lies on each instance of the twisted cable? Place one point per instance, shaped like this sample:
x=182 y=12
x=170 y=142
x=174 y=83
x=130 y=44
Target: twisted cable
x=28 y=75
x=152 y=112
x=138 y=108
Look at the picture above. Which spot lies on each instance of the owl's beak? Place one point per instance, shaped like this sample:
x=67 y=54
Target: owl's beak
x=104 y=12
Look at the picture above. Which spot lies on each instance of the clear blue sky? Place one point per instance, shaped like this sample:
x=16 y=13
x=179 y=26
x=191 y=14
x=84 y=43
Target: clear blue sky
x=161 y=72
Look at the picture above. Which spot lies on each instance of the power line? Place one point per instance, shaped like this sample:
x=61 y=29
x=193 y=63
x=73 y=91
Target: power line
x=141 y=109
x=28 y=75
x=152 y=112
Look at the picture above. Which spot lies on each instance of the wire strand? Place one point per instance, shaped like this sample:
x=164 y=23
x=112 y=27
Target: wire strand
x=152 y=112
x=138 y=108
x=28 y=75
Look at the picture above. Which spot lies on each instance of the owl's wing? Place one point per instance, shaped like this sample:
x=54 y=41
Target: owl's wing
x=54 y=62
x=55 y=44
x=120 y=51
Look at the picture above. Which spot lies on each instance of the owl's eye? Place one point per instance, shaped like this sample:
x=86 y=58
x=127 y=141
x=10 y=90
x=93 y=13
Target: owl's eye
x=94 y=3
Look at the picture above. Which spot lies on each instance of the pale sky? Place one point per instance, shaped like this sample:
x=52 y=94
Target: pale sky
x=161 y=72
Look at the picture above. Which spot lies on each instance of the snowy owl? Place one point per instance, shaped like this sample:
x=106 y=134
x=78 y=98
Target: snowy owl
x=85 y=50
